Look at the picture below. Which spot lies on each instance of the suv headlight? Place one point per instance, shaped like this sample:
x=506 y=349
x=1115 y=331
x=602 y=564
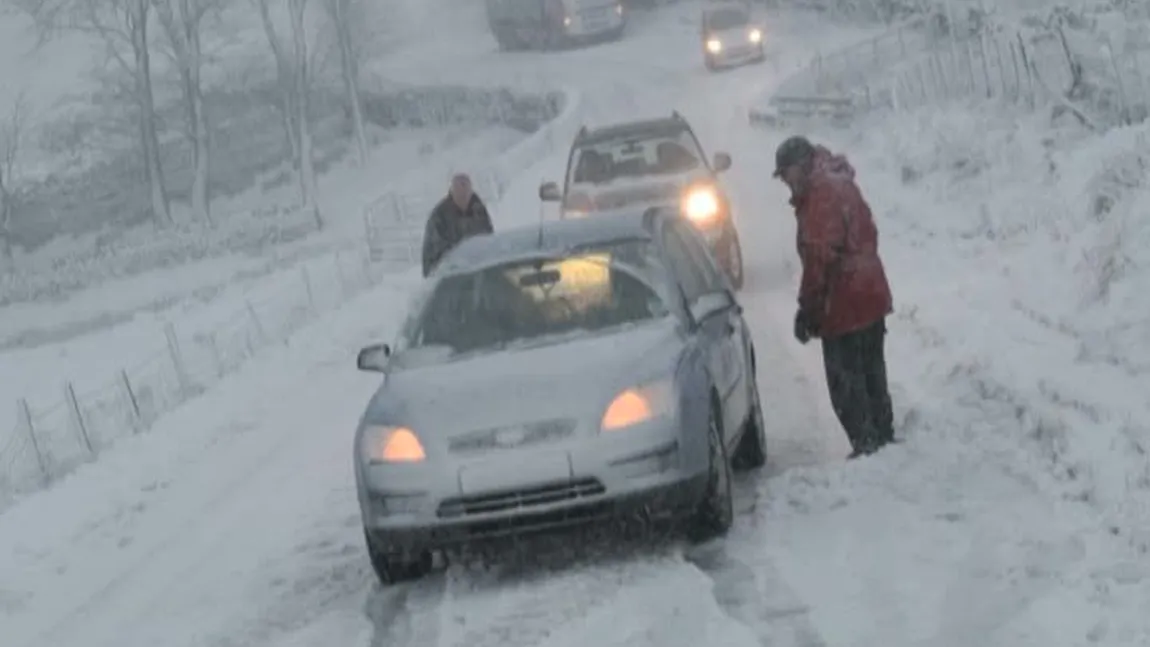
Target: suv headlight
x=701 y=204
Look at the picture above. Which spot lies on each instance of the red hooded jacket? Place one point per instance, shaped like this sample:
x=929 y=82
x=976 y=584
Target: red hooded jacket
x=844 y=287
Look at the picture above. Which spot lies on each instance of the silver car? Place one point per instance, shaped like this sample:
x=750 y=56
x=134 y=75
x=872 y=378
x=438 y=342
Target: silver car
x=731 y=36
x=551 y=376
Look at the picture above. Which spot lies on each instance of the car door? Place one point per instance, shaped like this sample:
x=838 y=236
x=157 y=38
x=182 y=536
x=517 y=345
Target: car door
x=735 y=335
x=719 y=336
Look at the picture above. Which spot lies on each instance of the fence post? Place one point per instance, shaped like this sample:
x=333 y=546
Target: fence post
x=77 y=417
x=1026 y=66
x=25 y=414
x=133 y=403
x=339 y=277
x=256 y=321
x=1017 y=73
x=217 y=359
x=1001 y=68
x=177 y=359
x=307 y=287
x=985 y=65
x=1126 y=114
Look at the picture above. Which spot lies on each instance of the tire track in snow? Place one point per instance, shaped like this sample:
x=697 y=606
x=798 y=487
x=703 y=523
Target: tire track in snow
x=516 y=602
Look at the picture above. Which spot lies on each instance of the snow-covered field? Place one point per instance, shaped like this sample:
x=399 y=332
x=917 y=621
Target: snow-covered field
x=1014 y=513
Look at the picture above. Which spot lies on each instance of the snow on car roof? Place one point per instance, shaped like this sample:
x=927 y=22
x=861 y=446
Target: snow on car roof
x=558 y=235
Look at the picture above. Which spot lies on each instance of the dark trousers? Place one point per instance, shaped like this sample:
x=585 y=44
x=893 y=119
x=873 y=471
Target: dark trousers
x=856 y=377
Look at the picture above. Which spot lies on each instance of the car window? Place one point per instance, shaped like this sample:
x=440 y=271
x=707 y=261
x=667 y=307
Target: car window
x=700 y=255
x=686 y=269
x=670 y=153
x=721 y=19
x=542 y=300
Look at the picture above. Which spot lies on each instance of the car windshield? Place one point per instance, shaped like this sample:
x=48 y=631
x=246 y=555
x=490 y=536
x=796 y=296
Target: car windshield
x=721 y=19
x=540 y=301
x=671 y=153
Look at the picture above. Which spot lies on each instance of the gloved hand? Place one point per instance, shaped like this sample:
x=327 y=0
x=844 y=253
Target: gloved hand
x=804 y=331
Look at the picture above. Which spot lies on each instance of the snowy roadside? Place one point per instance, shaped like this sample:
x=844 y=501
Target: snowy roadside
x=1016 y=512
x=136 y=546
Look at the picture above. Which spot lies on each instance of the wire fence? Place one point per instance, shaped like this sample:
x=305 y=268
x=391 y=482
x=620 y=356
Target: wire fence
x=830 y=85
x=1032 y=68
x=932 y=59
x=48 y=442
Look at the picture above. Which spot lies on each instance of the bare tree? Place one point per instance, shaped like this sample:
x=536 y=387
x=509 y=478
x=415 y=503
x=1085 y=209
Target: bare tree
x=182 y=21
x=341 y=14
x=122 y=25
x=11 y=140
x=294 y=77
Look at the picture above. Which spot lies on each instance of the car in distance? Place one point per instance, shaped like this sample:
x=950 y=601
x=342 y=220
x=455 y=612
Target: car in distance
x=645 y=163
x=548 y=377
x=552 y=24
x=730 y=36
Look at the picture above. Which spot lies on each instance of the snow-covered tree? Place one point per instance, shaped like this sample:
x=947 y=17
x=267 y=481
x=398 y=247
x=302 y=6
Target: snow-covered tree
x=12 y=132
x=123 y=27
x=183 y=23
x=294 y=78
x=342 y=14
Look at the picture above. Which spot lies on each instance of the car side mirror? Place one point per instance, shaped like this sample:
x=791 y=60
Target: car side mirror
x=549 y=192
x=373 y=358
x=722 y=162
x=710 y=305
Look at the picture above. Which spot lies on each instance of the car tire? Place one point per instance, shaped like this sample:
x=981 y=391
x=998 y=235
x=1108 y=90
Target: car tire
x=393 y=569
x=733 y=259
x=751 y=452
x=716 y=512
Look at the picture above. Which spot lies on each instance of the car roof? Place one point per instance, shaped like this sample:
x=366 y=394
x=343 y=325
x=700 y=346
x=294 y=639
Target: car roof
x=715 y=7
x=523 y=242
x=640 y=128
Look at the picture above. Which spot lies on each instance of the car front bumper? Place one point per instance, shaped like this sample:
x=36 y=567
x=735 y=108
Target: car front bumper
x=736 y=53
x=645 y=472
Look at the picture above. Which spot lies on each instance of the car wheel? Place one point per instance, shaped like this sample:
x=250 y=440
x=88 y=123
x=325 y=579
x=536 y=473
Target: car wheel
x=393 y=569
x=716 y=512
x=734 y=259
x=751 y=452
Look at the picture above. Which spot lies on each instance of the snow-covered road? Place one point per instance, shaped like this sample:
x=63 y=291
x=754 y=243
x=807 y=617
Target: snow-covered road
x=234 y=521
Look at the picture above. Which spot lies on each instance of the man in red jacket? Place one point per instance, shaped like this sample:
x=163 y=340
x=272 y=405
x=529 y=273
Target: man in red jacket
x=844 y=297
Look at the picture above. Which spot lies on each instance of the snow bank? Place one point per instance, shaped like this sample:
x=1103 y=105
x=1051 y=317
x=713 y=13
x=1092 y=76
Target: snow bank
x=1021 y=343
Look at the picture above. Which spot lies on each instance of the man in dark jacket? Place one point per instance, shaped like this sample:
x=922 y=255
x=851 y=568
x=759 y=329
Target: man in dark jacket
x=844 y=296
x=459 y=215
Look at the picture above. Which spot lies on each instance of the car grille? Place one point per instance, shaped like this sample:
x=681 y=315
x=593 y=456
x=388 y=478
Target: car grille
x=485 y=440
x=508 y=500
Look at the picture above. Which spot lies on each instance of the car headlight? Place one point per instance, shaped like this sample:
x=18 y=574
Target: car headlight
x=755 y=36
x=714 y=45
x=387 y=444
x=637 y=405
x=619 y=9
x=701 y=204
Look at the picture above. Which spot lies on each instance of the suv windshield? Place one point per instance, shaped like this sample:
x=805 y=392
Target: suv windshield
x=671 y=153
x=541 y=300
x=722 y=19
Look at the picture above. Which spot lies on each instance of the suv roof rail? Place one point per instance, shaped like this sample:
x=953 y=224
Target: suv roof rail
x=582 y=132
